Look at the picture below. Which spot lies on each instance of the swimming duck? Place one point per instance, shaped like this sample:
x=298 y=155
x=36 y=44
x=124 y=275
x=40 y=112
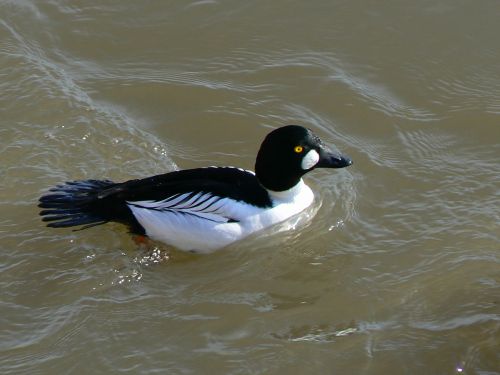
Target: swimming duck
x=201 y=209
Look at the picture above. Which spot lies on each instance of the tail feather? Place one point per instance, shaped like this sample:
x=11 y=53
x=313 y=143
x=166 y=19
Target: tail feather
x=74 y=203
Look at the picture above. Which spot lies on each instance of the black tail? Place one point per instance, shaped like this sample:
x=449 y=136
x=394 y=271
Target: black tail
x=75 y=203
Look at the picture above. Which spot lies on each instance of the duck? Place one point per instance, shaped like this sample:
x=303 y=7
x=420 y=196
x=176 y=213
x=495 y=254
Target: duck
x=201 y=209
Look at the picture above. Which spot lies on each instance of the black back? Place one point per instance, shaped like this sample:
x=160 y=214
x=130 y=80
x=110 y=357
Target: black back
x=224 y=182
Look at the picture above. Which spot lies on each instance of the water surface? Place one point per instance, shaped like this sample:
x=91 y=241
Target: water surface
x=398 y=272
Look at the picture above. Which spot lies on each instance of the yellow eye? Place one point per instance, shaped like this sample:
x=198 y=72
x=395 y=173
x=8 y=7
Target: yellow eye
x=298 y=149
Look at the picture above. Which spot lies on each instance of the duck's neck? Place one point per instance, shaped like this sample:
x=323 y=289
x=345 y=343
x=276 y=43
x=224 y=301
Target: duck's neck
x=277 y=178
x=290 y=195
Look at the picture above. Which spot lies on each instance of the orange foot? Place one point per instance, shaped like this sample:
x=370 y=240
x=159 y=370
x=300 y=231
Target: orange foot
x=139 y=240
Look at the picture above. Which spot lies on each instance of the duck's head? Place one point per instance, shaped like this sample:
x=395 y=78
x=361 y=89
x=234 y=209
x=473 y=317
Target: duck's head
x=289 y=152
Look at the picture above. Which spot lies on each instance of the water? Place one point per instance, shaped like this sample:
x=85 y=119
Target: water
x=398 y=272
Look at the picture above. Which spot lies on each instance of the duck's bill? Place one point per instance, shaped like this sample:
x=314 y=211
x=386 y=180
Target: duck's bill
x=330 y=159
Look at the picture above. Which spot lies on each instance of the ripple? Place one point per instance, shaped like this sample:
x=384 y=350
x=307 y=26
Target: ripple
x=457 y=322
x=80 y=126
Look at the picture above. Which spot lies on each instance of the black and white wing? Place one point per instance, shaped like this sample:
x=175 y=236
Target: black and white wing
x=213 y=194
x=199 y=205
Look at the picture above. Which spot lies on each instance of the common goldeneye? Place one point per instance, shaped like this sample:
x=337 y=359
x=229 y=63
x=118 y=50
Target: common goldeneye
x=201 y=209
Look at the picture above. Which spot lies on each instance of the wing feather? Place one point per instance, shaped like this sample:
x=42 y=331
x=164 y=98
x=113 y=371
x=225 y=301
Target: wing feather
x=202 y=205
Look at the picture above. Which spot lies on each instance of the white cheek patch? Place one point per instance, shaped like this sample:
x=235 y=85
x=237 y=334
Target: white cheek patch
x=310 y=160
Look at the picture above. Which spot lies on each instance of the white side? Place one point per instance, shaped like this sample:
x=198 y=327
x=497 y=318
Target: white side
x=204 y=234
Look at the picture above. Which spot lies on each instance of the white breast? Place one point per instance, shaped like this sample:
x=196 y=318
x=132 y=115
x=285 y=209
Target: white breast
x=188 y=227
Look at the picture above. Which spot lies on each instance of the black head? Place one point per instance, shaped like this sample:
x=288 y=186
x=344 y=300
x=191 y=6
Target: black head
x=289 y=152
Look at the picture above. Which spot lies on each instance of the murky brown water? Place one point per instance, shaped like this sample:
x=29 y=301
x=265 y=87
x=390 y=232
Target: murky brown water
x=398 y=273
